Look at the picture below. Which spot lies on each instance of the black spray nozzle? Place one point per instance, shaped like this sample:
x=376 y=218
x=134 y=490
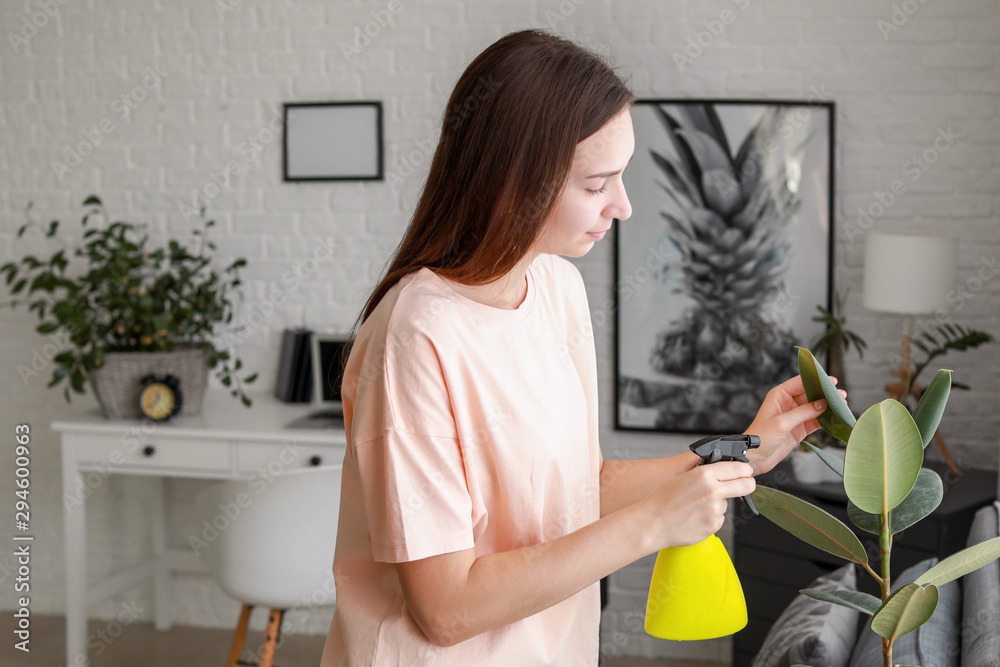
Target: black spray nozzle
x=717 y=448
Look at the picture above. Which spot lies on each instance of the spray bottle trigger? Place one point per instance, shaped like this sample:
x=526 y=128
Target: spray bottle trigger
x=727 y=448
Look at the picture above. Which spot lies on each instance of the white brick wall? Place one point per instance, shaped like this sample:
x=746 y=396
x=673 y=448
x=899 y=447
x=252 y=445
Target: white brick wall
x=227 y=64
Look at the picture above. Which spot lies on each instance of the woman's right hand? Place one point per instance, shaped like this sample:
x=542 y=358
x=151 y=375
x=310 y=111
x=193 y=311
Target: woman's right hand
x=691 y=506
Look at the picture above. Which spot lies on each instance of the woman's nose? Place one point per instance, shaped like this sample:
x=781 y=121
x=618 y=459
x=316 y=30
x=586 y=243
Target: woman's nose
x=621 y=208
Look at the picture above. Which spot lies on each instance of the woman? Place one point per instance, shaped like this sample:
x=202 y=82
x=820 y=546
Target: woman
x=477 y=513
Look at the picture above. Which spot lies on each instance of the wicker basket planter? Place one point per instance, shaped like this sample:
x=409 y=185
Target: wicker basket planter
x=118 y=381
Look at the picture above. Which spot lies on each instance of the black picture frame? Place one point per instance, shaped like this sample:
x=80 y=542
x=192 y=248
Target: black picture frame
x=332 y=141
x=727 y=253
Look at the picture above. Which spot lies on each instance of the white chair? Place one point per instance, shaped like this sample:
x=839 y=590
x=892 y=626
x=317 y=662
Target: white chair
x=273 y=545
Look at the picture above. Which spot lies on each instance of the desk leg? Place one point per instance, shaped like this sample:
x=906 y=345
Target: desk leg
x=162 y=602
x=75 y=551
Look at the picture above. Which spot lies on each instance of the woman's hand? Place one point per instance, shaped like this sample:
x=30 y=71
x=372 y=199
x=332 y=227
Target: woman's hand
x=690 y=506
x=785 y=417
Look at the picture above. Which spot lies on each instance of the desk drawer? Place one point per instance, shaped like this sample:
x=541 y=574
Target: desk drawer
x=155 y=453
x=274 y=459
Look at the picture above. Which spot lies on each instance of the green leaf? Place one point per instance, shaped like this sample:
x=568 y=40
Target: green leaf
x=809 y=523
x=250 y=379
x=866 y=521
x=931 y=405
x=92 y=199
x=925 y=497
x=905 y=610
x=46 y=327
x=10 y=268
x=77 y=378
x=922 y=500
x=58 y=374
x=883 y=460
x=834 y=462
x=961 y=563
x=837 y=419
x=856 y=600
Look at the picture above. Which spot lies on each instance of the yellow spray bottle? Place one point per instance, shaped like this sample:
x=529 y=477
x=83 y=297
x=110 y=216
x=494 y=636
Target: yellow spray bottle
x=694 y=592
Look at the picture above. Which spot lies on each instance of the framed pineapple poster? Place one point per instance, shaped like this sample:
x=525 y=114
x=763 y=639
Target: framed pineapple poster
x=724 y=260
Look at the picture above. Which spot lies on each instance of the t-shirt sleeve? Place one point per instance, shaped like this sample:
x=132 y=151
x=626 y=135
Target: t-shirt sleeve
x=416 y=497
x=407 y=451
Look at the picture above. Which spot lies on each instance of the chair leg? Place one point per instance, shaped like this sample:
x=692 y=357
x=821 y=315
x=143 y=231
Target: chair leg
x=271 y=638
x=240 y=636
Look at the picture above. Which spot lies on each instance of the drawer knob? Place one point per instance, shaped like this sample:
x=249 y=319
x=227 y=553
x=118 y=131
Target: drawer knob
x=148 y=450
x=315 y=460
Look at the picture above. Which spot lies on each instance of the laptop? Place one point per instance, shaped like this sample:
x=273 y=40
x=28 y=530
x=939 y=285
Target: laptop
x=327 y=364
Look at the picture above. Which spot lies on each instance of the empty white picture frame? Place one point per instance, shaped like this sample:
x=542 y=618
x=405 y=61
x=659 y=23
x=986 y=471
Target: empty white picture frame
x=333 y=141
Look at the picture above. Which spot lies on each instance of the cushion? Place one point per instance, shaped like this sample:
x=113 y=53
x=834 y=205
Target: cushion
x=981 y=600
x=813 y=632
x=936 y=643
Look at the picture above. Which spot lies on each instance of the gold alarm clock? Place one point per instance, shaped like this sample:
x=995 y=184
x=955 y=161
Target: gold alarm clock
x=160 y=397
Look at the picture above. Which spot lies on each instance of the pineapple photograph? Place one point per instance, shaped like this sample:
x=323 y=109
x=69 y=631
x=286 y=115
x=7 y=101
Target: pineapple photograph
x=724 y=260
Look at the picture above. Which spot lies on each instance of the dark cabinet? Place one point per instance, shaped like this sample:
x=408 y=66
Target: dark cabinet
x=773 y=565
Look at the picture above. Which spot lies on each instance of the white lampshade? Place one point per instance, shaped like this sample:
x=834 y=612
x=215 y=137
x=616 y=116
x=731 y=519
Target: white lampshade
x=909 y=272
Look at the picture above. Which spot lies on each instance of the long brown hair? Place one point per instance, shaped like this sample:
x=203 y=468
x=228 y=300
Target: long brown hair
x=507 y=142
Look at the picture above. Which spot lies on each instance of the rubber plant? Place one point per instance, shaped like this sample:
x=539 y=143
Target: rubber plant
x=888 y=490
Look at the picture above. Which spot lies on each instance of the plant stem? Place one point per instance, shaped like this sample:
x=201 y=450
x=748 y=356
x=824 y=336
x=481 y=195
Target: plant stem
x=885 y=544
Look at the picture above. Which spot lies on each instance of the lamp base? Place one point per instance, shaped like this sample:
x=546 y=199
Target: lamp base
x=903 y=388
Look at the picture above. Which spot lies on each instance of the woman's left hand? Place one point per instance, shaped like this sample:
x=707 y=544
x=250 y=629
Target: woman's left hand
x=785 y=417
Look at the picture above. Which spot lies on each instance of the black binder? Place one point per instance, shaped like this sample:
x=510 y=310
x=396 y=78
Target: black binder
x=294 y=383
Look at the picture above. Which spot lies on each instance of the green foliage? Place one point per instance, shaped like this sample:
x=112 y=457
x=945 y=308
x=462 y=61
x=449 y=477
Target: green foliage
x=837 y=419
x=888 y=491
x=923 y=499
x=905 y=610
x=832 y=461
x=962 y=563
x=930 y=407
x=856 y=600
x=810 y=524
x=835 y=332
x=128 y=298
x=882 y=466
x=949 y=337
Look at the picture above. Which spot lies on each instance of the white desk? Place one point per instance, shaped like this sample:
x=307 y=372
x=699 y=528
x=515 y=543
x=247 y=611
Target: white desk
x=225 y=441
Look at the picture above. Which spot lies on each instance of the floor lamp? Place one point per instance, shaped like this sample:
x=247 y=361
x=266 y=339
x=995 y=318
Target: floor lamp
x=909 y=274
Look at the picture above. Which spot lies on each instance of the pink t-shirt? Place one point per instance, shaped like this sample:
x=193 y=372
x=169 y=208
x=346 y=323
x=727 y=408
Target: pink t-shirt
x=469 y=427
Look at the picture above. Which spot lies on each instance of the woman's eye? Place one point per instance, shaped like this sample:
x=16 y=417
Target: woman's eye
x=598 y=191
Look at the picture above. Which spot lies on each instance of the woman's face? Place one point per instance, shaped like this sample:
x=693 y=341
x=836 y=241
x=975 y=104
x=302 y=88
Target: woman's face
x=594 y=194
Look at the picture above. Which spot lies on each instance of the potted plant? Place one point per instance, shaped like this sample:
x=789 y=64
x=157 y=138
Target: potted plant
x=131 y=310
x=888 y=490
x=836 y=339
